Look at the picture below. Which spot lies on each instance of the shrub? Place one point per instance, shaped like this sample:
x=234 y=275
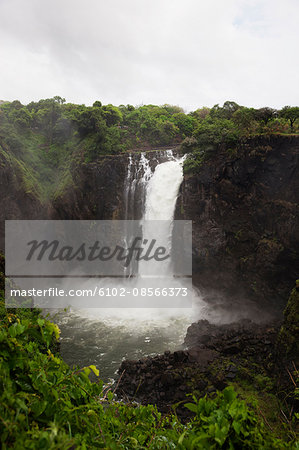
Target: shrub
x=47 y=405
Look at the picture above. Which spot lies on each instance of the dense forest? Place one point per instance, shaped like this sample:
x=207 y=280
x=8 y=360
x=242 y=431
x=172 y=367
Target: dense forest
x=104 y=129
x=42 y=139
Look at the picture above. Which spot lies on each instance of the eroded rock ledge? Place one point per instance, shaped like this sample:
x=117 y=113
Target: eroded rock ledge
x=215 y=356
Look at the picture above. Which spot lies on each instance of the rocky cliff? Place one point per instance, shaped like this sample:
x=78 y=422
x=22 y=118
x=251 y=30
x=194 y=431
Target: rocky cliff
x=20 y=197
x=85 y=191
x=244 y=209
x=93 y=191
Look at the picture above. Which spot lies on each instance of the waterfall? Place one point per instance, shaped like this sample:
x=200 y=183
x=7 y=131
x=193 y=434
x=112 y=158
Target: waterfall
x=105 y=336
x=151 y=187
x=139 y=173
x=162 y=190
x=128 y=186
x=161 y=195
x=157 y=191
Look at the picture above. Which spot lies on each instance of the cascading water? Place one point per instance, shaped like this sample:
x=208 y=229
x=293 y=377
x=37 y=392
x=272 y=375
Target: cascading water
x=105 y=337
x=162 y=190
x=139 y=173
x=161 y=195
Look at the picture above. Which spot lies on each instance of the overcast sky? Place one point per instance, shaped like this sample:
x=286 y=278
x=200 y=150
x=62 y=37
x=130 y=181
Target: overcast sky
x=192 y=53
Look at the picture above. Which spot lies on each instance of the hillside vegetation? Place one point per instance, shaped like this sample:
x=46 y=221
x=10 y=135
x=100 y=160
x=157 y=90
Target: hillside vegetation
x=42 y=139
x=45 y=404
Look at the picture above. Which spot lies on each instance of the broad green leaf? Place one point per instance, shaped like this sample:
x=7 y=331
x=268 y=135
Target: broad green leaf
x=191 y=406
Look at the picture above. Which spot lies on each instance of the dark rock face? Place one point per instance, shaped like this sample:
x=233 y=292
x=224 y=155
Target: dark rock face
x=96 y=191
x=18 y=201
x=216 y=356
x=244 y=210
x=233 y=339
x=288 y=339
x=164 y=379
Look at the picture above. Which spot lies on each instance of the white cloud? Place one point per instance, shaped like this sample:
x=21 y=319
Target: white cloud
x=190 y=52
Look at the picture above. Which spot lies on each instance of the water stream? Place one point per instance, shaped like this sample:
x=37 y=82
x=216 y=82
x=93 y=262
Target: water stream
x=105 y=337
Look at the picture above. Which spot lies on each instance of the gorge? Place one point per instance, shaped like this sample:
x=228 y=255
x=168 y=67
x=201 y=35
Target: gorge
x=230 y=203
x=151 y=187
x=242 y=199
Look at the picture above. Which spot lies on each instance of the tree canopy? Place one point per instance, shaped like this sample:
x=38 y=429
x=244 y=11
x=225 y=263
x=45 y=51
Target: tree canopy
x=55 y=125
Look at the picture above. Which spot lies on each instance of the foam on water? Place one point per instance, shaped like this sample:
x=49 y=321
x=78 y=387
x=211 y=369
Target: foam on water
x=161 y=190
x=107 y=336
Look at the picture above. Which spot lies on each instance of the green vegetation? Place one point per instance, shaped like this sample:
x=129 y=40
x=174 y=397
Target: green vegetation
x=224 y=128
x=44 y=138
x=45 y=404
x=53 y=128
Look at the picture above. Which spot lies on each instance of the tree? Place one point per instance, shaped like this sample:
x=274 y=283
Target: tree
x=229 y=108
x=244 y=118
x=59 y=99
x=211 y=133
x=201 y=113
x=265 y=114
x=172 y=109
x=226 y=111
x=112 y=115
x=22 y=118
x=184 y=123
x=290 y=113
x=17 y=114
x=16 y=104
x=89 y=120
x=166 y=132
x=97 y=104
x=48 y=112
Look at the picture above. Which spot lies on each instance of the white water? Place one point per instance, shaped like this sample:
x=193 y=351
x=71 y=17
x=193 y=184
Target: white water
x=161 y=195
x=159 y=190
x=106 y=336
x=163 y=189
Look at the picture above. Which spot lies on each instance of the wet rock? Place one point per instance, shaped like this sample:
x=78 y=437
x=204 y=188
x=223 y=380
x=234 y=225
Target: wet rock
x=244 y=212
x=232 y=351
x=288 y=338
x=180 y=356
x=201 y=356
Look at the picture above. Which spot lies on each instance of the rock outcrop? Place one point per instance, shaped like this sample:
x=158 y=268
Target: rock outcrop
x=216 y=355
x=244 y=210
x=93 y=191
x=19 y=197
x=288 y=339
